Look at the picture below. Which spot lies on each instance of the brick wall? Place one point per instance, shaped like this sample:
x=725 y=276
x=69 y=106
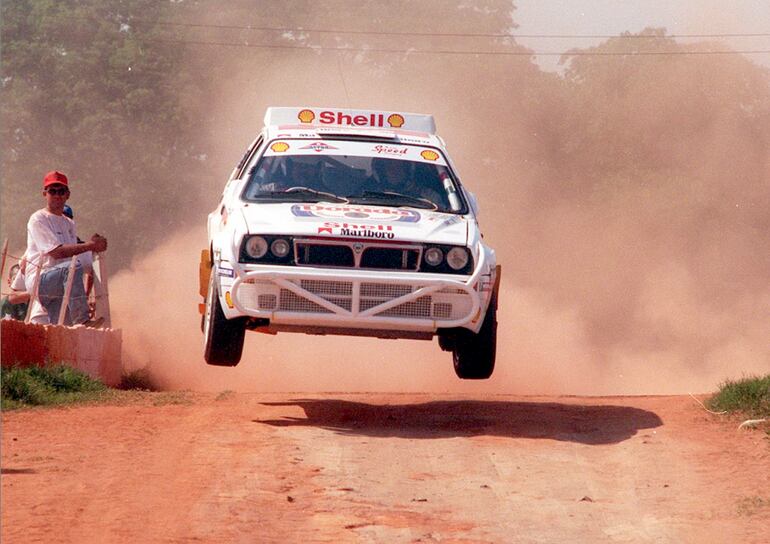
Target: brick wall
x=97 y=352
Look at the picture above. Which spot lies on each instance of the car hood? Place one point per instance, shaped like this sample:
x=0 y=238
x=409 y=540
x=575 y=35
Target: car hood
x=370 y=222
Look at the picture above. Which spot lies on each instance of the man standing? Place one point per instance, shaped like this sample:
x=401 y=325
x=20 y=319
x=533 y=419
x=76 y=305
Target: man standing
x=51 y=242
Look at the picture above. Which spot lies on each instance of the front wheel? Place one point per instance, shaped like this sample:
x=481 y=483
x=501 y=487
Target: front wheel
x=223 y=337
x=474 y=354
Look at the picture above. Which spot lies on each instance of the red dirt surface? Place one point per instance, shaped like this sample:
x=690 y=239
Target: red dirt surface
x=383 y=468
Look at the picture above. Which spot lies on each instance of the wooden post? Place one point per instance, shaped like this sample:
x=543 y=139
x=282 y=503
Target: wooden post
x=68 y=290
x=5 y=254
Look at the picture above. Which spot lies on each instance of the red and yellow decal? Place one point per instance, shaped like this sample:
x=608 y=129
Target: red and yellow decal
x=395 y=120
x=279 y=147
x=429 y=155
x=306 y=116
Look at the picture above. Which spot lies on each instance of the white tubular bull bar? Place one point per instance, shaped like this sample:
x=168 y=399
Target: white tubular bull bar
x=339 y=316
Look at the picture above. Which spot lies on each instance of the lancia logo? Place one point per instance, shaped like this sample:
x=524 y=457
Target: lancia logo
x=358 y=247
x=319 y=146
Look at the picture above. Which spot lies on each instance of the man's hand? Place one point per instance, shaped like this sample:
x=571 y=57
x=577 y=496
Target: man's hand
x=99 y=243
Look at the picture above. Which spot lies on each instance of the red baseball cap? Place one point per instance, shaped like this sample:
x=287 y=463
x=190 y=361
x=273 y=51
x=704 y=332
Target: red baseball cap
x=53 y=178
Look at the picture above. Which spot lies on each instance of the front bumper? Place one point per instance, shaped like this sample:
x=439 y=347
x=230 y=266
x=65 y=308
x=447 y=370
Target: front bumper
x=342 y=298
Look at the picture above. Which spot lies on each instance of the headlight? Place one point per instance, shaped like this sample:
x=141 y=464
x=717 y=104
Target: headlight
x=434 y=256
x=457 y=258
x=280 y=248
x=256 y=247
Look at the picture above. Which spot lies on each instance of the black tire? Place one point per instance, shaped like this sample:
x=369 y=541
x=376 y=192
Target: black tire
x=474 y=353
x=223 y=337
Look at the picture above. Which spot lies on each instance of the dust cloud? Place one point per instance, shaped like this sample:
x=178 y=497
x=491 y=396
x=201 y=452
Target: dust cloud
x=629 y=201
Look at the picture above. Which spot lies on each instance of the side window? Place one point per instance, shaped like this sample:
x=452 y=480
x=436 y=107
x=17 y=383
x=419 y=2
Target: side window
x=246 y=156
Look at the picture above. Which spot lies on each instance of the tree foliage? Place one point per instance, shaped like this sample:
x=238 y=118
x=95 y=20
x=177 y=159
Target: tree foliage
x=89 y=90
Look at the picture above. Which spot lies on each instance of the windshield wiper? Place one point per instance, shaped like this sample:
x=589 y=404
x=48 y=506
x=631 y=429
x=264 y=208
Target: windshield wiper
x=303 y=192
x=390 y=196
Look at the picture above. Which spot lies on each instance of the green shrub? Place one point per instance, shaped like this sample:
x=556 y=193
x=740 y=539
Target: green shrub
x=54 y=384
x=749 y=395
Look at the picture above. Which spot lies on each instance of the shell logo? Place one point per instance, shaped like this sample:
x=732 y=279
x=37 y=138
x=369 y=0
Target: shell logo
x=395 y=120
x=279 y=147
x=306 y=116
x=429 y=155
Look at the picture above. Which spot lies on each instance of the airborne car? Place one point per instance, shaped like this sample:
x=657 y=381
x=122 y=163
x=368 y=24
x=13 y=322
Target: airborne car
x=349 y=222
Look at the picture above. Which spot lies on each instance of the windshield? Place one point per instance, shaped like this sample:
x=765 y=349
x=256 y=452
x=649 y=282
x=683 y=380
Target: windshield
x=355 y=178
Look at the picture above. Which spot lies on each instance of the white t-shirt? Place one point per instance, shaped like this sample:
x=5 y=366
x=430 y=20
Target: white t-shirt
x=45 y=232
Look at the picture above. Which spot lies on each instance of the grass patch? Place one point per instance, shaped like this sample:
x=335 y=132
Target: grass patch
x=750 y=396
x=49 y=385
x=61 y=385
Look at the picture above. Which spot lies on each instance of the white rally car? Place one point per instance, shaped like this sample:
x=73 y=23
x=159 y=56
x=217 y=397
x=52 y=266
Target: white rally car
x=349 y=222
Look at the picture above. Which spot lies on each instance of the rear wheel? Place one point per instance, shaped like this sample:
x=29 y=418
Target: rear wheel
x=223 y=337
x=474 y=353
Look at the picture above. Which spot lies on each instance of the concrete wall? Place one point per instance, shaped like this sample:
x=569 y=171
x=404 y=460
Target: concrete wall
x=97 y=352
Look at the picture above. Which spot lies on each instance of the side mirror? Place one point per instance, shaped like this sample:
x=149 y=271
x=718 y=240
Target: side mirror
x=473 y=202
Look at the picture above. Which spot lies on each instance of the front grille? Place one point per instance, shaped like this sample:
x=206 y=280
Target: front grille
x=292 y=303
x=322 y=287
x=390 y=258
x=267 y=302
x=336 y=292
x=362 y=252
x=325 y=255
x=385 y=290
x=446 y=304
x=355 y=254
x=345 y=303
x=442 y=310
x=416 y=308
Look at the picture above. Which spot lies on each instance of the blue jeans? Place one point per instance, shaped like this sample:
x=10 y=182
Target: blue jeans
x=51 y=294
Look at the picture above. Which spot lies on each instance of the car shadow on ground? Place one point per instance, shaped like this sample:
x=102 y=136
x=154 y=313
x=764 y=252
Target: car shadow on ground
x=586 y=424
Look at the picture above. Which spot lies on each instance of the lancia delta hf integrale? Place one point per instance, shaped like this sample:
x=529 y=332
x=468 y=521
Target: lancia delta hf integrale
x=354 y=223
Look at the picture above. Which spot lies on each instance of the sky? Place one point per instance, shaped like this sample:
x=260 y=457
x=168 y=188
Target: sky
x=612 y=17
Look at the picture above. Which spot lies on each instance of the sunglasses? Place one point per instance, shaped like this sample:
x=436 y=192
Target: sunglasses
x=59 y=192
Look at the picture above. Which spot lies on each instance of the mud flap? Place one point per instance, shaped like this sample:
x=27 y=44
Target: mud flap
x=204 y=275
x=498 y=275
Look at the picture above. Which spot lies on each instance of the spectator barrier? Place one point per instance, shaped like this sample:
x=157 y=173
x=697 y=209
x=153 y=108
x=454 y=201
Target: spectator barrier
x=97 y=352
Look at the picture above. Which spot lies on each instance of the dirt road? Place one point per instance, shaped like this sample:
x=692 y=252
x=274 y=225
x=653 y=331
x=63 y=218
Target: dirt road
x=383 y=468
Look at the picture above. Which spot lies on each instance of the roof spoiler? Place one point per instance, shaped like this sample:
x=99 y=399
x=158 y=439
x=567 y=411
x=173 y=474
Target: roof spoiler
x=347 y=118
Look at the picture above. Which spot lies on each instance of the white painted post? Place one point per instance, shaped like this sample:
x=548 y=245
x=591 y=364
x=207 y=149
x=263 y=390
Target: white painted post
x=68 y=290
x=35 y=287
x=101 y=290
